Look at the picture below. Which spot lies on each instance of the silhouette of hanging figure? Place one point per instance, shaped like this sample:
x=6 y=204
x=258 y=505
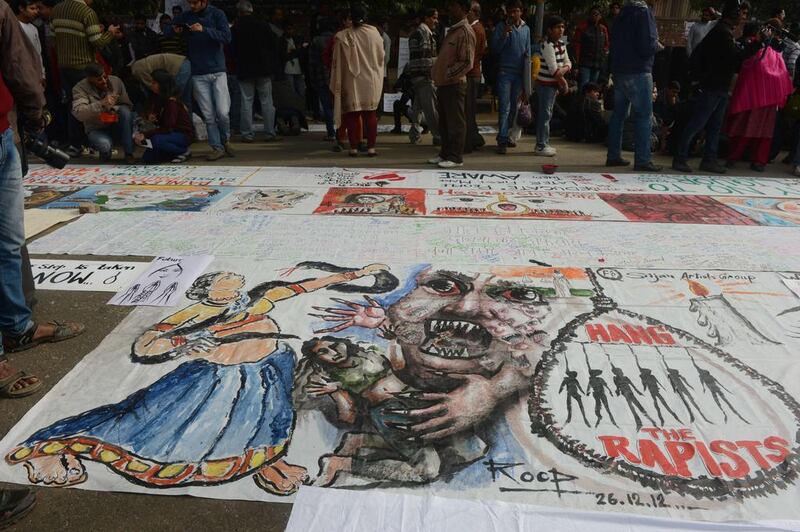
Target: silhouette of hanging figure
x=681 y=388
x=128 y=295
x=626 y=388
x=650 y=384
x=166 y=294
x=597 y=386
x=572 y=385
x=145 y=294
x=707 y=380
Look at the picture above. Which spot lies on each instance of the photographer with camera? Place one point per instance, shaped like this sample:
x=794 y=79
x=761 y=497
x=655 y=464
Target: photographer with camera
x=20 y=83
x=713 y=65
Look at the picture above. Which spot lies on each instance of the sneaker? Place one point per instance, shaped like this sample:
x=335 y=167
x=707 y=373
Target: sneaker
x=617 y=162
x=215 y=155
x=547 y=151
x=712 y=166
x=649 y=167
x=681 y=166
x=229 y=151
x=796 y=171
x=435 y=160
x=449 y=164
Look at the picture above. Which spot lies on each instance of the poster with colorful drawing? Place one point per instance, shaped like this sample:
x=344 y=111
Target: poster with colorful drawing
x=37 y=196
x=143 y=198
x=783 y=212
x=373 y=202
x=660 y=392
x=675 y=209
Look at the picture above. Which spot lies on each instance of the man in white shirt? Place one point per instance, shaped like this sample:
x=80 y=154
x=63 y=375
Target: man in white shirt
x=699 y=30
x=27 y=11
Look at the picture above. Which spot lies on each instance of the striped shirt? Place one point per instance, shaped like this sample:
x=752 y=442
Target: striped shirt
x=78 y=34
x=554 y=58
x=421 y=52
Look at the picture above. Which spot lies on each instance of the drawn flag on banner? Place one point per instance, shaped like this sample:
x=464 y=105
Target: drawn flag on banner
x=164 y=282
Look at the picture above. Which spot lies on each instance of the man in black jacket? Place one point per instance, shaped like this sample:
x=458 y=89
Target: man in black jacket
x=256 y=56
x=714 y=63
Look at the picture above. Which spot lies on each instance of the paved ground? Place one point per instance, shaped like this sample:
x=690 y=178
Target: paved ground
x=74 y=509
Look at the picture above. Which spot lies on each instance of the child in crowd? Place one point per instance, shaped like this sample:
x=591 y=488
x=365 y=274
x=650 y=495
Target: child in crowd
x=585 y=122
x=555 y=64
x=173 y=133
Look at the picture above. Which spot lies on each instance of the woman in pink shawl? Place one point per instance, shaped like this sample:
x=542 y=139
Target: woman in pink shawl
x=357 y=79
x=763 y=86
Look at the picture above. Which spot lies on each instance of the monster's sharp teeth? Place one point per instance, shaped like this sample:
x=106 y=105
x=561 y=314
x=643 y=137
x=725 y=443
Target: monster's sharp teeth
x=463 y=353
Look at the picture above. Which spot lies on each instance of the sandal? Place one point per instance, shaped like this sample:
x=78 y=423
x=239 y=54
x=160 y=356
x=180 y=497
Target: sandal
x=7 y=390
x=179 y=159
x=64 y=330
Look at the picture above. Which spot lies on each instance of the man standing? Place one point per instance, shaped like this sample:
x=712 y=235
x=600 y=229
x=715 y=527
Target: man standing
x=102 y=105
x=591 y=47
x=716 y=61
x=449 y=74
x=256 y=53
x=634 y=43
x=79 y=36
x=143 y=40
x=699 y=30
x=474 y=138
x=511 y=43
x=422 y=54
x=27 y=11
x=208 y=33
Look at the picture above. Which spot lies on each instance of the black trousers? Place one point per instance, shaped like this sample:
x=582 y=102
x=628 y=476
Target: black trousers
x=453 y=121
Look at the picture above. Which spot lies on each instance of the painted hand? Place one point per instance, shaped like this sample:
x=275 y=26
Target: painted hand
x=371 y=316
x=200 y=347
x=322 y=386
x=452 y=413
x=372 y=269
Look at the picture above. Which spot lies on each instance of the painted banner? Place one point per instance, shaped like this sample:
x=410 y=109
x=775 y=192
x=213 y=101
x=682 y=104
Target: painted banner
x=663 y=392
x=162 y=282
x=85 y=276
x=143 y=198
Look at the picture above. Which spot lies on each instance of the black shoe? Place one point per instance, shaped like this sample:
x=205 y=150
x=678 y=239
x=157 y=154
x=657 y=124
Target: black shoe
x=501 y=149
x=712 y=166
x=618 y=162
x=757 y=167
x=338 y=148
x=15 y=504
x=73 y=152
x=512 y=144
x=649 y=167
x=681 y=166
x=396 y=131
x=362 y=147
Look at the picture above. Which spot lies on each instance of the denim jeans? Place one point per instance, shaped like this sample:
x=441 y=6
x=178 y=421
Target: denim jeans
x=102 y=140
x=15 y=316
x=632 y=93
x=298 y=83
x=249 y=87
x=326 y=101
x=709 y=113
x=509 y=86
x=166 y=146
x=182 y=82
x=212 y=96
x=546 y=98
x=589 y=75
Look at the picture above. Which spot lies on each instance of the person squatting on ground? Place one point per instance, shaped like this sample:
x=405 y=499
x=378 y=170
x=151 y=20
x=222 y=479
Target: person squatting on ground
x=550 y=81
x=20 y=84
x=511 y=44
x=357 y=79
x=208 y=31
x=422 y=54
x=172 y=135
x=449 y=74
x=101 y=103
x=634 y=43
x=178 y=67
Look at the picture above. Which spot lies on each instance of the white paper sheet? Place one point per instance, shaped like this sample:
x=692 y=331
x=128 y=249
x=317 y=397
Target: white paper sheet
x=163 y=283
x=40 y=220
x=85 y=276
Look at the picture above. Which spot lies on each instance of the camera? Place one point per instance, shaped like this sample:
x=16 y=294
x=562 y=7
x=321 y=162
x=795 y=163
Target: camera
x=37 y=144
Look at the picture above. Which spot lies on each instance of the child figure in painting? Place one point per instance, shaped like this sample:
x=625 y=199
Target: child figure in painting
x=223 y=414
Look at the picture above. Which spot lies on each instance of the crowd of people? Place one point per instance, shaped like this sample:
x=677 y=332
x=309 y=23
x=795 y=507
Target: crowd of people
x=201 y=73
x=589 y=79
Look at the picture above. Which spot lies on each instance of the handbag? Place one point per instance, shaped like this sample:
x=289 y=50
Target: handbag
x=524 y=115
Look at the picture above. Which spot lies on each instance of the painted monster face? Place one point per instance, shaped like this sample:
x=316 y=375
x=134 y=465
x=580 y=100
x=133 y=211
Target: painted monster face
x=454 y=322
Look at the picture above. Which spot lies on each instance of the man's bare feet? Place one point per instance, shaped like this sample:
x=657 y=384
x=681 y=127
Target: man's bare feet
x=281 y=478
x=58 y=470
x=329 y=468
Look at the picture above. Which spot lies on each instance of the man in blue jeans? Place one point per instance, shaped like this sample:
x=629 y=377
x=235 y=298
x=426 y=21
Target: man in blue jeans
x=634 y=43
x=511 y=44
x=20 y=83
x=714 y=63
x=208 y=33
